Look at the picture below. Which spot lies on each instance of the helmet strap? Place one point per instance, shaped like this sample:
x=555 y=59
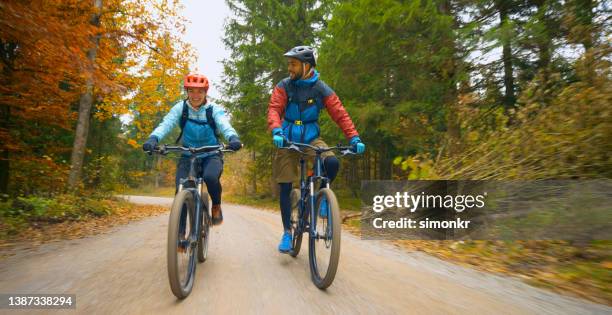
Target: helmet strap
x=304 y=74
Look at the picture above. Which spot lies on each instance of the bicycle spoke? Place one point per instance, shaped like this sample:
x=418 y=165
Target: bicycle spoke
x=322 y=245
x=184 y=248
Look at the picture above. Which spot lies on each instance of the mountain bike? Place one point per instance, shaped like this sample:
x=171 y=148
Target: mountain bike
x=316 y=212
x=189 y=224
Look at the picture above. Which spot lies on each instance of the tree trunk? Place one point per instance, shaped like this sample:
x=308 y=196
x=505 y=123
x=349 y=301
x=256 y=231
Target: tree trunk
x=375 y=166
x=254 y=178
x=8 y=51
x=157 y=170
x=544 y=53
x=507 y=58
x=584 y=18
x=4 y=154
x=356 y=180
x=366 y=166
x=85 y=104
x=448 y=75
x=383 y=162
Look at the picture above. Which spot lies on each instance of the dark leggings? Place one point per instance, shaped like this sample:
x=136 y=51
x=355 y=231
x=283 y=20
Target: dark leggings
x=331 y=166
x=209 y=168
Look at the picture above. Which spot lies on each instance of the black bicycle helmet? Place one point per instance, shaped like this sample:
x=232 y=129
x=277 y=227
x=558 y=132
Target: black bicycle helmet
x=303 y=53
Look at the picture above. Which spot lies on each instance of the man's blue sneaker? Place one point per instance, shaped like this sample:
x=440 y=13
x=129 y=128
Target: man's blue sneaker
x=323 y=208
x=285 y=243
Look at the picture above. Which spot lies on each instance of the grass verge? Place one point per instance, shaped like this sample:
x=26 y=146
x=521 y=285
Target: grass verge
x=31 y=221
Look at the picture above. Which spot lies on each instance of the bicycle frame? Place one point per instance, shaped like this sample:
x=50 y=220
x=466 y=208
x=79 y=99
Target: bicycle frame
x=307 y=189
x=307 y=193
x=196 y=190
x=197 y=184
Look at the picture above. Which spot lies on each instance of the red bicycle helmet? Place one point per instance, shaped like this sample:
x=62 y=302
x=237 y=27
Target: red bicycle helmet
x=196 y=80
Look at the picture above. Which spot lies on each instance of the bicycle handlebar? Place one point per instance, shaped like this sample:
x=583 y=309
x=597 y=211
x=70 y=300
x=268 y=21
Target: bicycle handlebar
x=344 y=150
x=165 y=149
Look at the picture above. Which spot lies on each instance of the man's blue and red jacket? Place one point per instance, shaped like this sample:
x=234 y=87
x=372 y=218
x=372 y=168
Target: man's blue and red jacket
x=295 y=106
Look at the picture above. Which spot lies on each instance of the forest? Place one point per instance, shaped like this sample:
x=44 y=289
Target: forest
x=437 y=89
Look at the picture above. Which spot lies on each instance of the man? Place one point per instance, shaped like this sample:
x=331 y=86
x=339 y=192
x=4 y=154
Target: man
x=200 y=120
x=293 y=113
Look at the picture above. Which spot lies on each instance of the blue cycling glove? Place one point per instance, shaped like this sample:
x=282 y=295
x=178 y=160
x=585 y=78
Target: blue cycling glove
x=150 y=144
x=234 y=143
x=277 y=137
x=358 y=146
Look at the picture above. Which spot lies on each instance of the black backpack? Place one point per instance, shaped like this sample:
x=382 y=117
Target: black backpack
x=185 y=116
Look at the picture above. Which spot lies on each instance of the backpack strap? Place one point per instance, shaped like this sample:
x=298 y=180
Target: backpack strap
x=290 y=88
x=185 y=117
x=183 y=121
x=318 y=87
x=211 y=120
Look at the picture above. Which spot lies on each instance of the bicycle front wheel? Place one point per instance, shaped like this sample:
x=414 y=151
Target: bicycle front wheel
x=181 y=245
x=324 y=240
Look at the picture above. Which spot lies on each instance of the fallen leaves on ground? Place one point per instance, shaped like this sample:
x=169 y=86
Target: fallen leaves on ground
x=582 y=270
x=41 y=232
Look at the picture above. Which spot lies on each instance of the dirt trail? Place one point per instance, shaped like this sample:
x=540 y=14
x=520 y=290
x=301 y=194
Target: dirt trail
x=124 y=272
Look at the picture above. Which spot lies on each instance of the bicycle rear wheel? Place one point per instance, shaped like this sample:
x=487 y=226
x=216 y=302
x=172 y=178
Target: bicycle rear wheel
x=181 y=246
x=324 y=245
x=205 y=230
x=295 y=221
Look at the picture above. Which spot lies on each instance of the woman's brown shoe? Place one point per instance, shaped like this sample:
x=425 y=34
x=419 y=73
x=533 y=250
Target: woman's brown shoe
x=217 y=215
